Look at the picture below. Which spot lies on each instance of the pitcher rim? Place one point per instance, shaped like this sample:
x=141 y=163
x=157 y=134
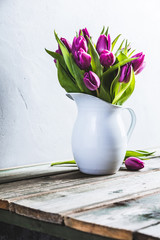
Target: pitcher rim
x=76 y=93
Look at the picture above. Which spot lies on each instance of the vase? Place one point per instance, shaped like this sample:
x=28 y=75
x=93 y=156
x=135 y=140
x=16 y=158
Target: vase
x=99 y=137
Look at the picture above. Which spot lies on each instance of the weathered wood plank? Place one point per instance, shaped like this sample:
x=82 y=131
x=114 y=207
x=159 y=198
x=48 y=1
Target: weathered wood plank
x=76 y=198
x=48 y=184
x=151 y=232
x=58 y=181
x=28 y=172
x=121 y=219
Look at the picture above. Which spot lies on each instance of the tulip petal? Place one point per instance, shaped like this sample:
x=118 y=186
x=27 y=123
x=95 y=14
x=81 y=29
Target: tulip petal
x=82 y=59
x=138 y=63
x=91 y=80
x=108 y=42
x=107 y=58
x=123 y=73
x=134 y=164
x=79 y=42
x=85 y=33
x=128 y=74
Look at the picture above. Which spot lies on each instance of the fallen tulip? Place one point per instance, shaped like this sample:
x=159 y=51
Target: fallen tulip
x=134 y=164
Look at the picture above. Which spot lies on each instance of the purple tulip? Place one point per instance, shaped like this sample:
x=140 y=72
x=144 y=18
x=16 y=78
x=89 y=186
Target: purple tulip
x=57 y=51
x=82 y=59
x=125 y=73
x=67 y=44
x=107 y=58
x=140 y=68
x=103 y=43
x=138 y=64
x=91 y=80
x=133 y=163
x=85 y=33
x=79 y=42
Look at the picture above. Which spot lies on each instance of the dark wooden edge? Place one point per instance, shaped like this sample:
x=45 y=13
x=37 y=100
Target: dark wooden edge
x=140 y=236
x=55 y=230
x=98 y=229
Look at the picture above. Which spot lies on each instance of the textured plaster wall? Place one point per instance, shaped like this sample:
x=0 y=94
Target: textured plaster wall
x=36 y=118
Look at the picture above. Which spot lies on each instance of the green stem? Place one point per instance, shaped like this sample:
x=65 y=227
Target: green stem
x=65 y=162
x=97 y=93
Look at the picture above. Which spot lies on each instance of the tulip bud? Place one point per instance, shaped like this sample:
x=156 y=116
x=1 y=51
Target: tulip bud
x=57 y=51
x=140 y=68
x=138 y=64
x=107 y=58
x=79 y=42
x=125 y=73
x=133 y=163
x=67 y=44
x=91 y=80
x=103 y=43
x=82 y=59
x=85 y=33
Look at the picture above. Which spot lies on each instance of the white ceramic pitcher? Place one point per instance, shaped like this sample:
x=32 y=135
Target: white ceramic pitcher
x=99 y=139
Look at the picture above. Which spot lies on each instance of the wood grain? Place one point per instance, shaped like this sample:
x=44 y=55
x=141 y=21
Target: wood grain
x=77 y=198
x=49 y=184
x=119 y=206
x=121 y=219
x=57 y=182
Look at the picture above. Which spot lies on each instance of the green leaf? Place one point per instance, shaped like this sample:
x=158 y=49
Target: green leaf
x=79 y=75
x=106 y=33
x=131 y=53
x=125 y=49
x=95 y=62
x=66 y=54
x=115 y=85
x=102 y=30
x=121 y=57
x=124 y=90
x=114 y=42
x=116 y=66
x=57 y=56
x=65 y=162
x=74 y=70
x=104 y=94
x=138 y=154
x=65 y=80
x=81 y=33
x=118 y=50
x=129 y=90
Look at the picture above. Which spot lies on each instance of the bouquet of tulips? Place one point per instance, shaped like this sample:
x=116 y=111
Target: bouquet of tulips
x=98 y=70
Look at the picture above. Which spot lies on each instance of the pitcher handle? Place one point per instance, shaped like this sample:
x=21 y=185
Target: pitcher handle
x=133 y=122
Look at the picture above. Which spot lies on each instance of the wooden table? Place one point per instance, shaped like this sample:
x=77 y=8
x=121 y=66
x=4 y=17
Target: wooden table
x=62 y=202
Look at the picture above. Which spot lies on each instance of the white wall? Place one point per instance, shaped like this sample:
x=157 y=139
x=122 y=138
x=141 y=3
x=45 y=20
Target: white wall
x=36 y=117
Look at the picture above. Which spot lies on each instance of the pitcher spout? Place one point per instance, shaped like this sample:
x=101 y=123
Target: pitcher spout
x=69 y=95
